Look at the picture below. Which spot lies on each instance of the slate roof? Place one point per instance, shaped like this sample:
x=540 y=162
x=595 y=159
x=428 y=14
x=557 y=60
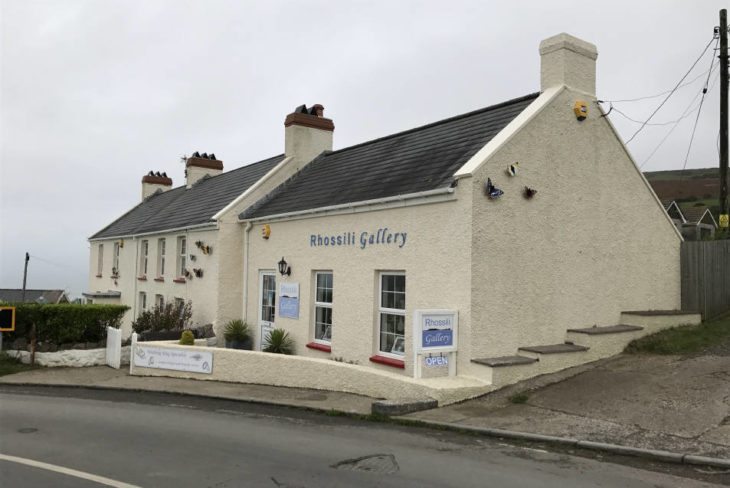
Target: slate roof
x=694 y=214
x=15 y=295
x=420 y=159
x=182 y=207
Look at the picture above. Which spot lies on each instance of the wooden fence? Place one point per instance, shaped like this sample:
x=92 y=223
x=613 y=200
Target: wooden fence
x=706 y=277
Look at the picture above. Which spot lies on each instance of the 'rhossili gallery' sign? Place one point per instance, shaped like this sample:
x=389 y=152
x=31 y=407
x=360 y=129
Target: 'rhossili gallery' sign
x=436 y=330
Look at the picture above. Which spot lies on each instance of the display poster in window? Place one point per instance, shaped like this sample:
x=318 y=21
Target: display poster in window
x=176 y=359
x=289 y=300
x=436 y=330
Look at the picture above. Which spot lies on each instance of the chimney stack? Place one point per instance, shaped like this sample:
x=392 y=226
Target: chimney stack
x=307 y=133
x=567 y=60
x=199 y=166
x=152 y=182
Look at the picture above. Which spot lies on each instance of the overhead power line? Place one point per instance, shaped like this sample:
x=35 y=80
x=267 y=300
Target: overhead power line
x=649 y=97
x=671 y=92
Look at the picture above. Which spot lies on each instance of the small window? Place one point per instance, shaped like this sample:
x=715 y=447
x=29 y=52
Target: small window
x=323 y=307
x=392 y=313
x=179 y=304
x=144 y=248
x=160 y=257
x=115 y=259
x=159 y=301
x=100 y=260
x=181 y=255
x=142 y=301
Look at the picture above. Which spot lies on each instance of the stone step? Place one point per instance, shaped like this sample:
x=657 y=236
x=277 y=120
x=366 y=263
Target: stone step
x=553 y=349
x=504 y=361
x=611 y=329
x=656 y=320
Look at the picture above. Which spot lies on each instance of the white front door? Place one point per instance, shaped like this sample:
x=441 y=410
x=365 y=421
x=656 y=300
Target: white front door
x=267 y=304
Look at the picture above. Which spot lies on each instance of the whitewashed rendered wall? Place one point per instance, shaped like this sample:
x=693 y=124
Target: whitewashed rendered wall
x=201 y=291
x=591 y=243
x=435 y=259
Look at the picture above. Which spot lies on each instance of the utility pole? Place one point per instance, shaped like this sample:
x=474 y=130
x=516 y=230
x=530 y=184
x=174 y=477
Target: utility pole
x=723 y=120
x=25 y=276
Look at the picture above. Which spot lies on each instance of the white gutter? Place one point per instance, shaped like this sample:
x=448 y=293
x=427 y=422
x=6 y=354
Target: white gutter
x=428 y=196
x=155 y=232
x=253 y=187
x=246 y=240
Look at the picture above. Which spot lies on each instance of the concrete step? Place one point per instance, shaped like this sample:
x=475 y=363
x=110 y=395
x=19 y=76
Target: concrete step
x=605 y=341
x=504 y=361
x=538 y=351
x=656 y=320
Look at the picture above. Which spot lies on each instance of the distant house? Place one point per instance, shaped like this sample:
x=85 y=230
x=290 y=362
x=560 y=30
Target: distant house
x=15 y=295
x=674 y=212
x=699 y=223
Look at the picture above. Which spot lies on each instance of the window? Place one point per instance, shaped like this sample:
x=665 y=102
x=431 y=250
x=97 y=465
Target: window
x=142 y=301
x=100 y=260
x=179 y=304
x=323 y=307
x=115 y=259
x=181 y=254
x=392 y=313
x=144 y=248
x=159 y=301
x=160 y=257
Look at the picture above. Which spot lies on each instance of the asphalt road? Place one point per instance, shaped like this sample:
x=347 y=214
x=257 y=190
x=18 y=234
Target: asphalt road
x=158 y=440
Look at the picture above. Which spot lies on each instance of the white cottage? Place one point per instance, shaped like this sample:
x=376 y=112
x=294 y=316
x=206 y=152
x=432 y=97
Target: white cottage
x=503 y=241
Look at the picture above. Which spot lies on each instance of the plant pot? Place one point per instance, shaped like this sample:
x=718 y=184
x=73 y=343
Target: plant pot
x=246 y=344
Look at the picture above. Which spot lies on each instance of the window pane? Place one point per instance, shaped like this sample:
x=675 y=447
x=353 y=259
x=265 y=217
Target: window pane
x=399 y=301
x=399 y=283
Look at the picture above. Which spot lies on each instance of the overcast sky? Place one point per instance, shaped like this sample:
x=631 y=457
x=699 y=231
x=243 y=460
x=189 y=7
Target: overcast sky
x=94 y=94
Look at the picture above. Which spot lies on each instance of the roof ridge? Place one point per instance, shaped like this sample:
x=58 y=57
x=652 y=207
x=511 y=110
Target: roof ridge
x=210 y=177
x=438 y=122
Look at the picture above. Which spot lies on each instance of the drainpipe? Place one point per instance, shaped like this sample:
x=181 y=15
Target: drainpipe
x=247 y=230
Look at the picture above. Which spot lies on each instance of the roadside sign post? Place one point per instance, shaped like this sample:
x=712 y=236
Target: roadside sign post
x=7 y=322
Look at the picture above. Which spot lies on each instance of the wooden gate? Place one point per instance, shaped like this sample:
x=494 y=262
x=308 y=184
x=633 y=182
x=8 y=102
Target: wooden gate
x=706 y=277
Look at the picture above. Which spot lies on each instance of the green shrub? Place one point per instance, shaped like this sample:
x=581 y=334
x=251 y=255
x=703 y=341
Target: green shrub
x=187 y=338
x=236 y=330
x=278 y=341
x=518 y=398
x=167 y=317
x=65 y=322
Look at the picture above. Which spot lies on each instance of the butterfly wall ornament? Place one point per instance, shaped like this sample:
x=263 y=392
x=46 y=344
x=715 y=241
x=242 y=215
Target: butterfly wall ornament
x=512 y=170
x=528 y=192
x=492 y=191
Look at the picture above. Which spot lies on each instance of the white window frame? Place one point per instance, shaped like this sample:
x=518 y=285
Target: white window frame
x=143 y=252
x=100 y=259
x=182 y=249
x=115 y=258
x=161 y=248
x=142 y=301
x=159 y=300
x=322 y=305
x=389 y=311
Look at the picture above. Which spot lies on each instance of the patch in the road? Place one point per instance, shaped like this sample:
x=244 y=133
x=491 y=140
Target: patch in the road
x=27 y=430
x=375 y=463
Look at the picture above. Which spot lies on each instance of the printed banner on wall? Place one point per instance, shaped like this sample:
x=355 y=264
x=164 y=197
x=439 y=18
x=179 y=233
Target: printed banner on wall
x=289 y=300
x=175 y=359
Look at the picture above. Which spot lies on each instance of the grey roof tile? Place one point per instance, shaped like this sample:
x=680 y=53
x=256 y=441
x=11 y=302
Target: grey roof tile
x=182 y=207
x=420 y=159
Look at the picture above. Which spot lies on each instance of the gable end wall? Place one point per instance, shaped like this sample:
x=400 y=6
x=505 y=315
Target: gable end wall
x=594 y=240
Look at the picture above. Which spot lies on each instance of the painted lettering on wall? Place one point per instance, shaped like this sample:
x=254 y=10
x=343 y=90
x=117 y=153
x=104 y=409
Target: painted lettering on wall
x=382 y=236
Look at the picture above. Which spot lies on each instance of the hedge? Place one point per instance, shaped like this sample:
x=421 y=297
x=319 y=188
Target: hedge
x=66 y=322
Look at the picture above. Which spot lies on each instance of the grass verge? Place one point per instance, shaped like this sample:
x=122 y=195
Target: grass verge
x=685 y=339
x=10 y=365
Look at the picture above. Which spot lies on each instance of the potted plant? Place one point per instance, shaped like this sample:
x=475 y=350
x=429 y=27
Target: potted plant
x=279 y=341
x=237 y=335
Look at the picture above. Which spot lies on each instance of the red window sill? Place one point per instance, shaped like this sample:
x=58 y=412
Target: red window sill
x=142 y=278
x=160 y=279
x=179 y=280
x=98 y=276
x=395 y=363
x=319 y=347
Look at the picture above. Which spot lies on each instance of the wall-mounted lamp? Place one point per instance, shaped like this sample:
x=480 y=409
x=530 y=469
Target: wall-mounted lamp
x=284 y=268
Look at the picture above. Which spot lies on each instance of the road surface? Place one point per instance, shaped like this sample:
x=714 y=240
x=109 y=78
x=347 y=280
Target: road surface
x=80 y=438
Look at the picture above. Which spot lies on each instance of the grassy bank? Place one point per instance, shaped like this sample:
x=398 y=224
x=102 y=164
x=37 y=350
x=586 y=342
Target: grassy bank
x=9 y=365
x=686 y=339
